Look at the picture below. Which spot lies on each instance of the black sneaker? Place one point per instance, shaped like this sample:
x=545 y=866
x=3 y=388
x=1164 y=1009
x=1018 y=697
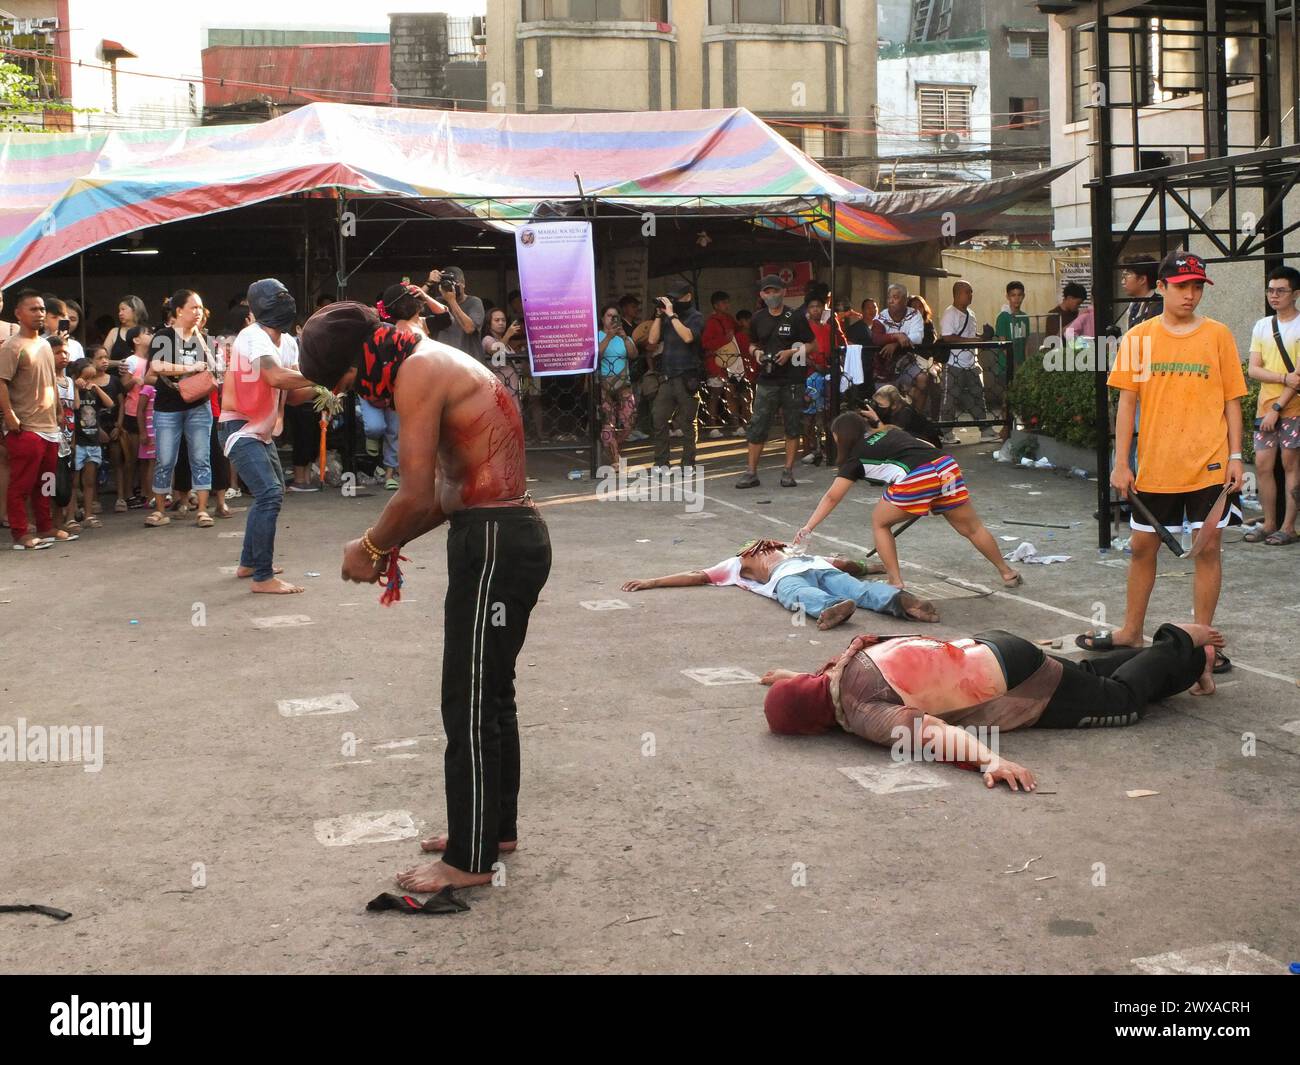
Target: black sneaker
x=748 y=480
x=787 y=479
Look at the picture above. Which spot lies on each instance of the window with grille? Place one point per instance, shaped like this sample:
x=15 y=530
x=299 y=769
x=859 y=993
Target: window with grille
x=944 y=110
x=595 y=10
x=1027 y=45
x=1082 y=74
x=775 y=12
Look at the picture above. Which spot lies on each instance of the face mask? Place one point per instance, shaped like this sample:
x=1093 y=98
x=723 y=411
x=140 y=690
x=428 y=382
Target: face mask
x=881 y=412
x=774 y=301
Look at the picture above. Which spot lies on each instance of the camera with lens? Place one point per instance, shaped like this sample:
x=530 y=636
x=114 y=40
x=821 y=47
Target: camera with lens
x=446 y=284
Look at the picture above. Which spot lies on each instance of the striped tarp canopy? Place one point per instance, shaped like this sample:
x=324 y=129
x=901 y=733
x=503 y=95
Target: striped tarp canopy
x=64 y=193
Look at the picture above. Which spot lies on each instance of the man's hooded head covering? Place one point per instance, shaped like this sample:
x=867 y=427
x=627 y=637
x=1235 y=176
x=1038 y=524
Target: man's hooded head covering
x=800 y=706
x=343 y=335
x=272 y=305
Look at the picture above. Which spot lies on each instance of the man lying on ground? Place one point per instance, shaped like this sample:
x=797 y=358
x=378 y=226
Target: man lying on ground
x=927 y=692
x=826 y=588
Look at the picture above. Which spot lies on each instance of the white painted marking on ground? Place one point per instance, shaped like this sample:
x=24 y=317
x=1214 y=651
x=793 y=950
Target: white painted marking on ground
x=1237 y=663
x=353 y=761
x=716 y=675
x=229 y=535
x=402 y=757
x=603 y=604
x=379 y=826
x=393 y=745
x=281 y=621
x=337 y=703
x=697 y=514
x=228 y=571
x=894 y=778
x=1292 y=727
x=1113 y=563
x=1217 y=959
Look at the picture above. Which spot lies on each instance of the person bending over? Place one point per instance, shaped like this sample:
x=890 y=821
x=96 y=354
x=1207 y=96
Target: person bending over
x=928 y=692
x=919 y=479
x=823 y=587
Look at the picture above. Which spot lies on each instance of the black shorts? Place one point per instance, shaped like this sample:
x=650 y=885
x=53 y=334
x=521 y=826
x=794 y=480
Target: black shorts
x=1171 y=508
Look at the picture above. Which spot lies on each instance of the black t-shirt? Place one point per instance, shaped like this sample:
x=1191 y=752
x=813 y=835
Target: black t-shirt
x=859 y=333
x=887 y=455
x=108 y=415
x=912 y=421
x=166 y=347
x=90 y=410
x=773 y=333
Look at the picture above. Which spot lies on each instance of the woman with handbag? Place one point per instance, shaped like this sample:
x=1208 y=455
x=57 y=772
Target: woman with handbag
x=180 y=369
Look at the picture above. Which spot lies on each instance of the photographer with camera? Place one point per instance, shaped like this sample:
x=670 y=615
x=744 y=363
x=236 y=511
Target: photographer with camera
x=679 y=325
x=782 y=341
x=464 y=330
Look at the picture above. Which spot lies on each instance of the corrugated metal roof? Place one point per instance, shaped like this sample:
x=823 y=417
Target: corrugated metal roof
x=341 y=73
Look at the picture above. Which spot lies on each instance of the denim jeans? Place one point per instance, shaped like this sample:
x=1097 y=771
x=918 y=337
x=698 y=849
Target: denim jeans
x=196 y=426
x=259 y=466
x=381 y=423
x=816 y=589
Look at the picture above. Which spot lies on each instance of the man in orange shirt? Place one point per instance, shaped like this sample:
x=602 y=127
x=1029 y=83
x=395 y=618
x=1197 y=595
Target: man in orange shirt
x=1185 y=371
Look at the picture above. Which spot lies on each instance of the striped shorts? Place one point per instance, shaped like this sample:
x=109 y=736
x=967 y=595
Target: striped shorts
x=930 y=489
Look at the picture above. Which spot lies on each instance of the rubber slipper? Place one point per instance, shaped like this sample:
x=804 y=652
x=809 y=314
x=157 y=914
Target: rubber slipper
x=1256 y=536
x=1095 y=641
x=1222 y=663
x=156 y=519
x=40 y=545
x=1280 y=539
x=60 y=539
x=1015 y=581
x=204 y=520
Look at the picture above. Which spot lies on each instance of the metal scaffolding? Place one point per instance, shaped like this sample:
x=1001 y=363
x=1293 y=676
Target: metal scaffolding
x=1222 y=43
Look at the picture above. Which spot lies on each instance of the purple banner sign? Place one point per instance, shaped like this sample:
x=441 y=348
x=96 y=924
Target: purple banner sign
x=557 y=278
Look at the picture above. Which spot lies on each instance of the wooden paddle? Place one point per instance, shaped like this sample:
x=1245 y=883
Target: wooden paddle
x=1204 y=534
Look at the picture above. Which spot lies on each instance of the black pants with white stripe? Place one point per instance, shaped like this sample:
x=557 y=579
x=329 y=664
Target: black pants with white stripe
x=498 y=559
x=1114 y=688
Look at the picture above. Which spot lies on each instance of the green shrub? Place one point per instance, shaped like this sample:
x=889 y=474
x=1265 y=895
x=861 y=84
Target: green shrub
x=1248 y=405
x=1059 y=402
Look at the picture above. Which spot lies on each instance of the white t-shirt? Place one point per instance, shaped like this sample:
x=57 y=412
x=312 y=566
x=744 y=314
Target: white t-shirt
x=74 y=349
x=955 y=323
x=727 y=572
x=247 y=396
x=912 y=326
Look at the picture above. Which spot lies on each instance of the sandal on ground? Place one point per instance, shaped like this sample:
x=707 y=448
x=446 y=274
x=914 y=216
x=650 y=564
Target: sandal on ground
x=1256 y=536
x=92 y=522
x=787 y=479
x=1095 y=641
x=223 y=511
x=120 y=506
x=749 y=480
x=72 y=526
x=204 y=520
x=1280 y=539
x=32 y=543
x=1222 y=663
x=55 y=538
x=1013 y=582
x=156 y=519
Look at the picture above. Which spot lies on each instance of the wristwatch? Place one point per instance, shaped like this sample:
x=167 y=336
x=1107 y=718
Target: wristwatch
x=1235 y=457
x=1277 y=407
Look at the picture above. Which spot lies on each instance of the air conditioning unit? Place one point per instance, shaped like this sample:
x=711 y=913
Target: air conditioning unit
x=950 y=141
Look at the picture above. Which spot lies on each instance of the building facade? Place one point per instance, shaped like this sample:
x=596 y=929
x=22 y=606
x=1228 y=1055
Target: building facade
x=807 y=66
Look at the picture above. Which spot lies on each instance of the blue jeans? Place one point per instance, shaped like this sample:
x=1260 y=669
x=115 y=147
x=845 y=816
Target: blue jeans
x=816 y=589
x=259 y=465
x=196 y=426
x=381 y=423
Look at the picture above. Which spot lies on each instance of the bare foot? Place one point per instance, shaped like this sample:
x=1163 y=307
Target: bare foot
x=916 y=608
x=275 y=586
x=438 y=844
x=836 y=614
x=1204 y=685
x=1203 y=635
x=247 y=571
x=434 y=876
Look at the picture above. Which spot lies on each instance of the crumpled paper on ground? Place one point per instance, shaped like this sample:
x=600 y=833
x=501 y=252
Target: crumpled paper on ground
x=1027 y=552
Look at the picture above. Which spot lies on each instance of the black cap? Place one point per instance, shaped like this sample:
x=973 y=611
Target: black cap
x=679 y=290
x=771 y=281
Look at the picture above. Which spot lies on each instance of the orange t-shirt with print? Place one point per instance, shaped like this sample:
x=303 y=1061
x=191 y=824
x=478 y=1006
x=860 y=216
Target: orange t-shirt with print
x=1182 y=383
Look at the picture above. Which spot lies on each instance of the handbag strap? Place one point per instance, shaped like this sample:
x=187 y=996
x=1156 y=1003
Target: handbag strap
x=1277 y=336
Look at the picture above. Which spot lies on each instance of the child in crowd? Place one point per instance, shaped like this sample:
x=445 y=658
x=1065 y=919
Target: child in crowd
x=813 y=444
x=93 y=403
x=64 y=482
x=144 y=427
